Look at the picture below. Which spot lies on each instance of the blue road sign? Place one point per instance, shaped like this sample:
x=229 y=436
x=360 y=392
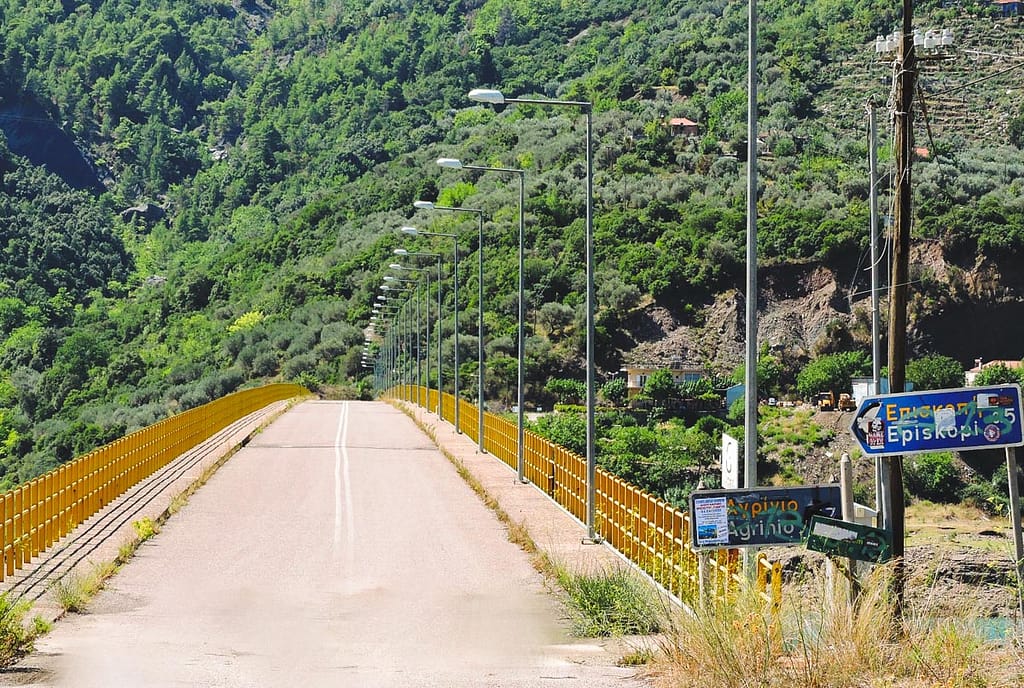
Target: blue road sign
x=939 y=420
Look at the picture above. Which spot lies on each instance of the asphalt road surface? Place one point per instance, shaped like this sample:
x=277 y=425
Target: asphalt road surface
x=339 y=548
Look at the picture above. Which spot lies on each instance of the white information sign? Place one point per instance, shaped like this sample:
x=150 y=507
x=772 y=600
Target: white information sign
x=711 y=519
x=730 y=462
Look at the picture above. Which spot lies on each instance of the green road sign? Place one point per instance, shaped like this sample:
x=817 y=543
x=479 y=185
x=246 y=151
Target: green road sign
x=852 y=540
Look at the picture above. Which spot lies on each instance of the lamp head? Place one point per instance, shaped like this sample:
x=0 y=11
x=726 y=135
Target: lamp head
x=410 y=230
x=487 y=95
x=451 y=163
x=423 y=205
x=390 y=278
x=397 y=266
x=400 y=252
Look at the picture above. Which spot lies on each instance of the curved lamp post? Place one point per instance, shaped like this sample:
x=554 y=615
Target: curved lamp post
x=494 y=97
x=454 y=164
x=413 y=231
x=388 y=296
x=429 y=205
x=403 y=252
x=426 y=301
x=419 y=322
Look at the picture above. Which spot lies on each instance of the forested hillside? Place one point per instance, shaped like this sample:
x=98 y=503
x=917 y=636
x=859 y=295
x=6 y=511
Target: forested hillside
x=280 y=146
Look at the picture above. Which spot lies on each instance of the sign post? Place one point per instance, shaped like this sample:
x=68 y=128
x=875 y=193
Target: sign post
x=964 y=419
x=1018 y=541
x=845 y=539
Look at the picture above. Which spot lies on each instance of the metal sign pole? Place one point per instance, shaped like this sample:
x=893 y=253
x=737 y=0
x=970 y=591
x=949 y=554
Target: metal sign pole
x=1018 y=539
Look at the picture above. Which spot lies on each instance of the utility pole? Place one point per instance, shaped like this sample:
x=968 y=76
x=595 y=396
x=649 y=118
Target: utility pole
x=904 y=139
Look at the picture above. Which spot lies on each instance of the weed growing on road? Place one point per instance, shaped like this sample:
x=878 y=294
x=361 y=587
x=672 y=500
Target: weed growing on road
x=145 y=528
x=637 y=657
x=16 y=638
x=74 y=591
x=610 y=603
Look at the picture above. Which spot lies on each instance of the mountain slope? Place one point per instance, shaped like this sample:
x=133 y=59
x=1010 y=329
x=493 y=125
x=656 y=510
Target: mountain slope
x=286 y=143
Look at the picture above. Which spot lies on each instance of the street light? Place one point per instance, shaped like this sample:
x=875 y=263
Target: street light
x=494 y=97
x=426 y=297
x=455 y=164
x=405 y=306
x=430 y=205
x=419 y=323
x=403 y=252
x=413 y=231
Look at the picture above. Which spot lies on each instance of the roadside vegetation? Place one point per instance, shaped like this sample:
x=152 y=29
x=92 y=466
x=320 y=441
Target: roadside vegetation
x=610 y=603
x=17 y=634
x=823 y=640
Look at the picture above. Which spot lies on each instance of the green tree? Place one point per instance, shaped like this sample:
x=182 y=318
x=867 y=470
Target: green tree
x=935 y=371
x=615 y=391
x=567 y=430
x=998 y=375
x=660 y=386
x=832 y=372
x=566 y=391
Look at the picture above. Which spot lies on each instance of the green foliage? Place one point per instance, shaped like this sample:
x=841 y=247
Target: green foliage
x=16 y=640
x=611 y=603
x=832 y=372
x=660 y=386
x=935 y=371
x=568 y=430
x=934 y=477
x=287 y=146
x=998 y=375
x=615 y=391
x=566 y=391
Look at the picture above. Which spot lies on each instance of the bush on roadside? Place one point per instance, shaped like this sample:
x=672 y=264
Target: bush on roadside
x=17 y=639
x=935 y=477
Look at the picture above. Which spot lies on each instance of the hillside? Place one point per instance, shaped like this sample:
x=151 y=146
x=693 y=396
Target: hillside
x=279 y=146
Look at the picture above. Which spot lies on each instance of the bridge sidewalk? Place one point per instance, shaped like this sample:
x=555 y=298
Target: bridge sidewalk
x=555 y=532
x=98 y=540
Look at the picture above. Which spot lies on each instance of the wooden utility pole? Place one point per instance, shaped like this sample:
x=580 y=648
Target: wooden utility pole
x=904 y=143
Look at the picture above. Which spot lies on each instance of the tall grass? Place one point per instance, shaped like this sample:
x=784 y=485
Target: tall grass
x=824 y=640
x=610 y=603
x=74 y=591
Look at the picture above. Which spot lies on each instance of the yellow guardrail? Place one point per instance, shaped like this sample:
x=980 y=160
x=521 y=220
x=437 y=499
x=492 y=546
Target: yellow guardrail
x=40 y=512
x=648 y=531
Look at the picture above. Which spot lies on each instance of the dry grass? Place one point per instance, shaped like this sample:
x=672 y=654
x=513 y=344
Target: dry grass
x=825 y=641
x=74 y=591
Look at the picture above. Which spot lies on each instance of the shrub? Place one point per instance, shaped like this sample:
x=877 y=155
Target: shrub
x=16 y=640
x=934 y=477
x=614 y=391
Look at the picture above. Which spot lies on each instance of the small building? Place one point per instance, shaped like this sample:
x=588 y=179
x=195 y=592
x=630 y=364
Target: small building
x=1008 y=8
x=971 y=375
x=637 y=374
x=681 y=126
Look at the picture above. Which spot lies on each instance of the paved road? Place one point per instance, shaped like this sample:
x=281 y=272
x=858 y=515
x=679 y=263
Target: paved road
x=339 y=548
